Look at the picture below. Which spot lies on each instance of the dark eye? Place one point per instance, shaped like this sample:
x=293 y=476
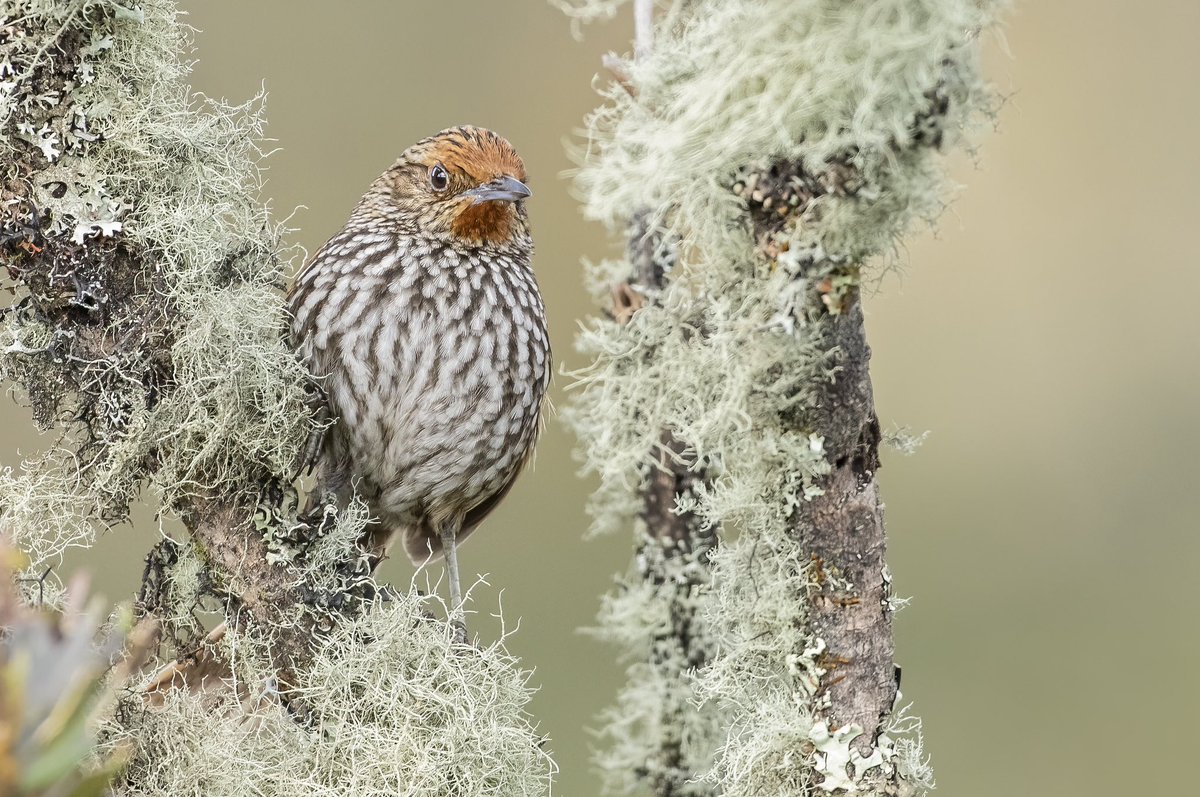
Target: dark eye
x=438 y=178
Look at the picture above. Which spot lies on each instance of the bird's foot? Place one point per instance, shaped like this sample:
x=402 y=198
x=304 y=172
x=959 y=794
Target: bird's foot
x=458 y=627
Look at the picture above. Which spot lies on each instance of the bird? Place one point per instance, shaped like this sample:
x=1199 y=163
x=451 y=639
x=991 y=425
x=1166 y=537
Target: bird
x=423 y=323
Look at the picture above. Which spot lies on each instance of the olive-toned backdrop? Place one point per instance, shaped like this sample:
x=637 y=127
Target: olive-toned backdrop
x=1046 y=335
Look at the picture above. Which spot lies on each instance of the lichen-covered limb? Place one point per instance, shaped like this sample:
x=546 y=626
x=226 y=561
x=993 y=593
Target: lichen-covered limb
x=672 y=564
x=840 y=526
x=148 y=325
x=843 y=530
x=263 y=596
x=671 y=570
x=147 y=321
x=785 y=145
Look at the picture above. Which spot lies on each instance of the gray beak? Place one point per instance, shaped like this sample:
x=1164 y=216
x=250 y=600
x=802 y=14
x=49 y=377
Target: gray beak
x=502 y=189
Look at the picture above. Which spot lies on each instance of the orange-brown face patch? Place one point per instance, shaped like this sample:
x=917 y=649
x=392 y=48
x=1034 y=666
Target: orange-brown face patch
x=472 y=157
x=490 y=222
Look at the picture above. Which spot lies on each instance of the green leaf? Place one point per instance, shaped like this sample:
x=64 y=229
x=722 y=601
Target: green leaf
x=59 y=758
x=95 y=784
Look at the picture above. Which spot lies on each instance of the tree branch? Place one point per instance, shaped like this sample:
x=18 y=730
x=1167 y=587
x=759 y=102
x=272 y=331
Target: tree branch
x=778 y=168
x=672 y=556
x=147 y=322
x=148 y=325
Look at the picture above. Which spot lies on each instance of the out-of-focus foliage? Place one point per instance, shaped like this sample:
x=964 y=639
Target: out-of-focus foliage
x=52 y=680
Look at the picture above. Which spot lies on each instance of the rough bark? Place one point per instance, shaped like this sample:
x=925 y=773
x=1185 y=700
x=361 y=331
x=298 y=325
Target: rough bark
x=842 y=528
x=263 y=598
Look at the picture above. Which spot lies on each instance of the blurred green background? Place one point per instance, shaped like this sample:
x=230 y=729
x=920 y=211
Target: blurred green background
x=1045 y=334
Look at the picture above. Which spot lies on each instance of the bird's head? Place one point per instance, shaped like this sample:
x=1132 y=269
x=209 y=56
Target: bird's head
x=465 y=185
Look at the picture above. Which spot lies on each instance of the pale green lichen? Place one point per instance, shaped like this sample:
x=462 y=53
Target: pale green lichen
x=655 y=622
x=766 y=673
x=395 y=707
x=904 y=440
x=343 y=529
x=903 y=732
x=46 y=508
x=191 y=169
x=186 y=591
x=727 y=87
x=859 y=96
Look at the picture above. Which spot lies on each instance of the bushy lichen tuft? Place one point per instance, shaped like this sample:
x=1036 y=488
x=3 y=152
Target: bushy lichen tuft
x=726 y=87
x=395 y=706
x=784 y=145
x=767 y=672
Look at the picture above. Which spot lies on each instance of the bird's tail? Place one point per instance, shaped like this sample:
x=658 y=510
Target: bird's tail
x=424 y=545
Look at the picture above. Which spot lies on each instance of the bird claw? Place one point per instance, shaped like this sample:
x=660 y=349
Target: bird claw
x=458 y=629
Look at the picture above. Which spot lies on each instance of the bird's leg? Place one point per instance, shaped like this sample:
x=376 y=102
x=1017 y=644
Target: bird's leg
x=449 y=533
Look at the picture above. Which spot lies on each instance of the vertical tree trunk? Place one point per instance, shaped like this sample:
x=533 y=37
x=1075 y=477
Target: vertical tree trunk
x=841 y=527
x=779 y=146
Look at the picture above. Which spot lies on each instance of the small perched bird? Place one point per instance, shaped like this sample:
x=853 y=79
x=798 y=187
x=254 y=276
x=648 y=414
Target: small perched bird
x=424 y=323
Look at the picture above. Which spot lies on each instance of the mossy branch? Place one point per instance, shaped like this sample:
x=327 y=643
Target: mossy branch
x=671 y=566
x=148 y=324
x=148 y=327
x=782 y=146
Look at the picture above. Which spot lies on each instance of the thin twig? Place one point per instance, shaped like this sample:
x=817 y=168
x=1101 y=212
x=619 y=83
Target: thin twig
x=643 y=28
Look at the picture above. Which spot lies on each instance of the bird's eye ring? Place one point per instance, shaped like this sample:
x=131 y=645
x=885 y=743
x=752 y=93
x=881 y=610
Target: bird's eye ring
x=438 y=179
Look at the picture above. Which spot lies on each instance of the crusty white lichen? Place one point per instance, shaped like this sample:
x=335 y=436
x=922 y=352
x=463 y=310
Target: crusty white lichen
x=860 y=95
x=394 y=706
